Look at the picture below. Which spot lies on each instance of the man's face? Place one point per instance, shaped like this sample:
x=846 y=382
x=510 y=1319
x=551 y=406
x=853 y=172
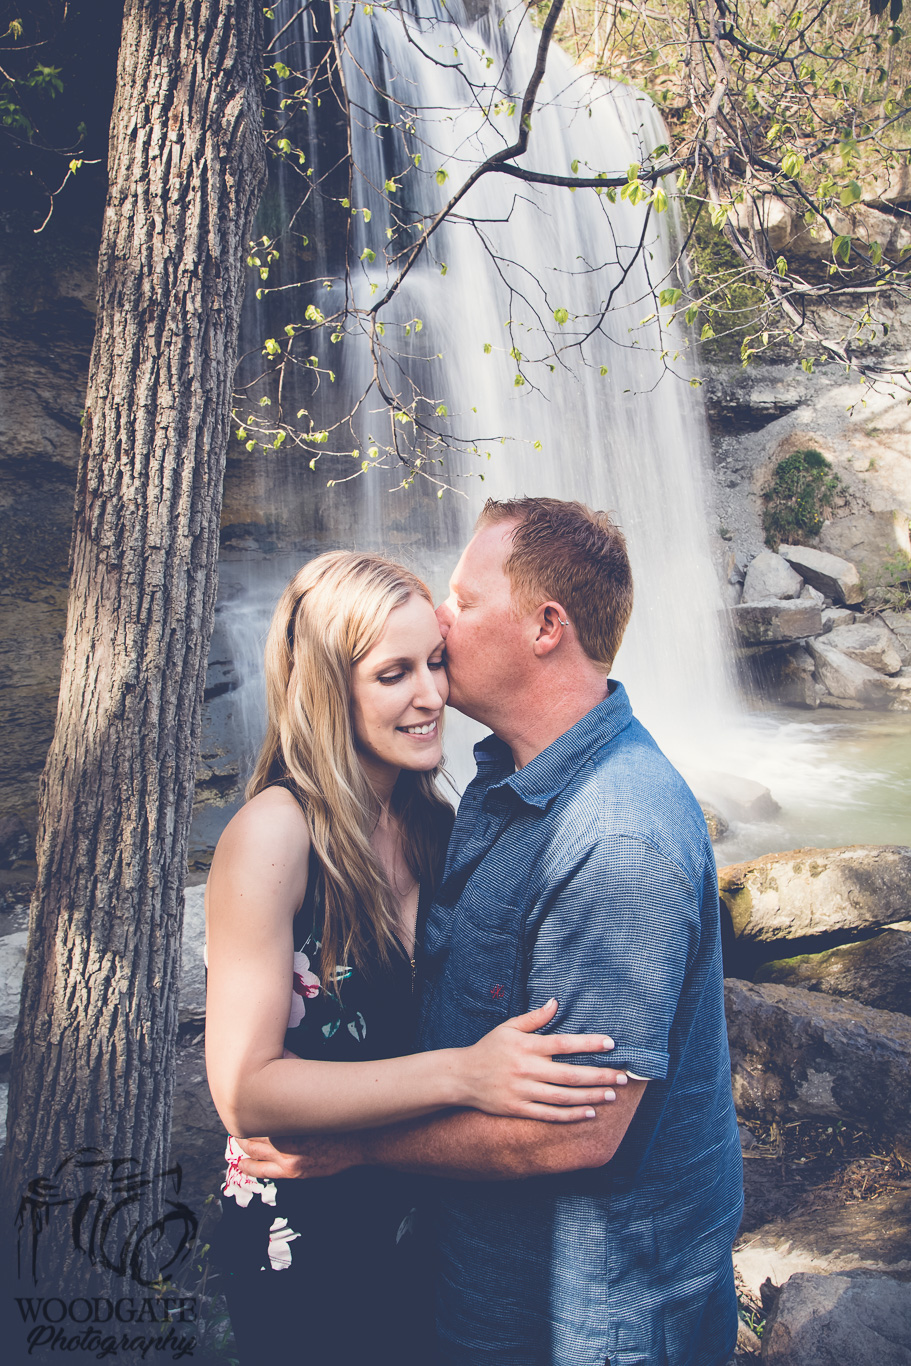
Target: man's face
x=486 y=648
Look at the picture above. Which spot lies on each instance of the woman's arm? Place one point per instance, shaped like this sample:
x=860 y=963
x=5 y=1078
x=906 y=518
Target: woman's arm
x=256 y=885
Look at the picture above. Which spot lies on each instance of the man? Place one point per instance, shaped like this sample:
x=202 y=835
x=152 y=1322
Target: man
x=579 y=868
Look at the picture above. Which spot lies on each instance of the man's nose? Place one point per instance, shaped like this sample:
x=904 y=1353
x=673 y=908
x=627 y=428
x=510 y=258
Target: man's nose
x=444 y=618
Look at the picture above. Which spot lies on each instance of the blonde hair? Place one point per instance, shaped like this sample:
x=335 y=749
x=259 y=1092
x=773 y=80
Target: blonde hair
x=332 y=612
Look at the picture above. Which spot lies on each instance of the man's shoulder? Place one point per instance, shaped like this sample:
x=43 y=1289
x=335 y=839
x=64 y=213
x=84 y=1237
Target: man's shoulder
x=629 y=789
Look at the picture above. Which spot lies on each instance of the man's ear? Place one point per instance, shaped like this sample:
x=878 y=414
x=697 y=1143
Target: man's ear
x=552 y=621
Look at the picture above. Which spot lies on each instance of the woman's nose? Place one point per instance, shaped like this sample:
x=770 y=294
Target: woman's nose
x=433 y=689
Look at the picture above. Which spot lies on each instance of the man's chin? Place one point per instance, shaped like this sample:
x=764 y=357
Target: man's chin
x=468 y=706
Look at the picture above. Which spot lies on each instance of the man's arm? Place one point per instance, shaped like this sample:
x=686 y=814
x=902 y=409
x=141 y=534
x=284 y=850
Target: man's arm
x=464 y=1145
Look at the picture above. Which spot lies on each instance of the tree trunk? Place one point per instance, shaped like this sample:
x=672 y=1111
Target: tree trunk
x=94 y=1053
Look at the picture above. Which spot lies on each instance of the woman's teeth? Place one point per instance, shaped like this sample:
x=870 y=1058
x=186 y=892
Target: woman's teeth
x=427 y=729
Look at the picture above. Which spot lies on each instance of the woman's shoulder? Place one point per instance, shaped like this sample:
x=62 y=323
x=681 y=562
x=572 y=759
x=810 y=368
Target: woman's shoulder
x=270 y=825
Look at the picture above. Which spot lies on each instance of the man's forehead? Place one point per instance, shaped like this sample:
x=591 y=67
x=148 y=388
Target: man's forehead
x=485 y=555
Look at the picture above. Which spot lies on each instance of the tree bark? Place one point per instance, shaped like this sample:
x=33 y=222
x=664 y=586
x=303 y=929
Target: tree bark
x=94 y=1054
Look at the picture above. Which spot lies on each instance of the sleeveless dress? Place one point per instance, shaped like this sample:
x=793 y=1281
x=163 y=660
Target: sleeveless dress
x=332 y=1269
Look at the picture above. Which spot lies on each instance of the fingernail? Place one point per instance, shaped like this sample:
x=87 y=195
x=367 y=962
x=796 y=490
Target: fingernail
x=622 y=1079
x=552 y=1002
x=607 y=1043
x=610 y=1095
x=591 y=1114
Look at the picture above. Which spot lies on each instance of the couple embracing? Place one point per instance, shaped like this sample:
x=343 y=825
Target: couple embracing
x=554 y=1179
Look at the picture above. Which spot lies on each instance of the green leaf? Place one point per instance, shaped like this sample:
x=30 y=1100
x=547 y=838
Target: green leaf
x=668 y=297
x=850 y=194
x=518 y=381
x=876 y=253
x=561 y=315
x=281 y=71
x=271 y=347
x=841 y=247
x=390 y=187
x=660 y=198
x=538 y=446
x=603 y=371
x=442 y=176
x=368 y=255
x=487 y=348
x=707 y=332
x=632 y=174
x=443 y=268
x=442 y=410
x=691 y=314
x=574 y=166
x=781 y=265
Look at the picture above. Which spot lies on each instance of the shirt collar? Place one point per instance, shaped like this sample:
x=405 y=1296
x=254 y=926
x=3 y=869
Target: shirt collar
x=541 y=780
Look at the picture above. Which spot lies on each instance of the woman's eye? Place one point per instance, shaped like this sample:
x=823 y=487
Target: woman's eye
x=392 y=678
x=435 y=663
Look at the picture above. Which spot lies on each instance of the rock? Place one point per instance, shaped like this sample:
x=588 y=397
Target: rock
x=717 y=825
x=863 y=1320
x=810 y=594
x=870 y=645
x=15 y=842
x=837 y=616
x=839 y=703
x=799 y=1055
x=866 y=1236
x=192 y=966
x=796 y=684
x=769 y=576
x=876 y=972
x=899 y=623
x=740 y=798
x=12 y=966
x=838 y=579
x=810 y=892
x=870 y=540
x=895 y=693
x=843 y=676
x=760 y=623
x=767 y=216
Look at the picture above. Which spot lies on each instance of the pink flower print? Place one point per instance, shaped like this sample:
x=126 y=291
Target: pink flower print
x=238 y=1184
x=304 y=986
x=280 y=1235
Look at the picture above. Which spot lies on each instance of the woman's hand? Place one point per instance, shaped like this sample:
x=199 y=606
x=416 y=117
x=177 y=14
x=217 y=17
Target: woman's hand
x=512 y=1072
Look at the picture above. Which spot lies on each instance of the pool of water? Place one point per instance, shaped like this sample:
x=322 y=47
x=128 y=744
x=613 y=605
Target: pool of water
x=839 y=778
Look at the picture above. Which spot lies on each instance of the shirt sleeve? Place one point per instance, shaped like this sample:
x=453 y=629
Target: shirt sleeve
x=613 y=944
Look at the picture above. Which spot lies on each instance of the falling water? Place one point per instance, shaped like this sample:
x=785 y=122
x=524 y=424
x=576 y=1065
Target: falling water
x=526 y=270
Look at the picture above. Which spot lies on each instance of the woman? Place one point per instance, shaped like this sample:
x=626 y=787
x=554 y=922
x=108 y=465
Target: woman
x=313 y=910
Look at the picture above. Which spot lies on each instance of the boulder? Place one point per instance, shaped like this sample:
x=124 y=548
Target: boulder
x=764 y=623
x=739 y=798
x=798 y=1055
x=870 y=540
x=895 y=693
x=810 y=594
x=796 y=684
x=845 y=677
x=872 y=645
x=12 y=966
x=899 y=623
x=837 y=616
x=769 y=576
x=838 y=579
x=876 y=972
x=716 y=825
x=809 y=892
x=868 y=1235
x=861 y=1320
x=192 y=965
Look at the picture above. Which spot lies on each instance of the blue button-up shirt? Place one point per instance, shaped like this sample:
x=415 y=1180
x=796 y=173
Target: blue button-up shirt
x=588 y=875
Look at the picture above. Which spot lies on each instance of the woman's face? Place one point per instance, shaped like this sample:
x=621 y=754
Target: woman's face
x=398 y=690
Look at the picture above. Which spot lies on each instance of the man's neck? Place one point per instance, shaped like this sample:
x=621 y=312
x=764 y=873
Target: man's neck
x=533 y=723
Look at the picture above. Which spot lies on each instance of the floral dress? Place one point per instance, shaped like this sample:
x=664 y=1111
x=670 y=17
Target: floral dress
x=331 y=1269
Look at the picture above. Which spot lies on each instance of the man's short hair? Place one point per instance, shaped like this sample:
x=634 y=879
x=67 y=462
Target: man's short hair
x=574 y=555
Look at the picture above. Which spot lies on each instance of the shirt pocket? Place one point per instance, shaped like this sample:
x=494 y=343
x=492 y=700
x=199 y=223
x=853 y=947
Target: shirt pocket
x=482 y=969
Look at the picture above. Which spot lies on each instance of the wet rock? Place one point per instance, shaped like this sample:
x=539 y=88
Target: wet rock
x=872 y=645
x=845 y=677
x=12 y=966
x=894 y=693
x=717 y=825
x=875 y=972
x=769 y=576
x=769 y=622
x=870 y=540
x=796 y=682
x=864 y=1320
x=740 y=798
x=802 y=1055
x=838 y=579
x=809 y=892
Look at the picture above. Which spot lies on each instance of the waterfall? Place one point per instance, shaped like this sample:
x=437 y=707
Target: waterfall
x=505 y=294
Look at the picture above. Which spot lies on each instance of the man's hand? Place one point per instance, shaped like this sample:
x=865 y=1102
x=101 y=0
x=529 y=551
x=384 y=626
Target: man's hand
x=299 y=1157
